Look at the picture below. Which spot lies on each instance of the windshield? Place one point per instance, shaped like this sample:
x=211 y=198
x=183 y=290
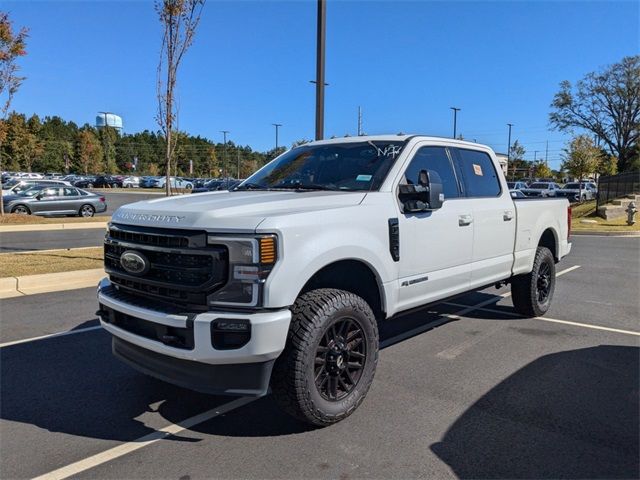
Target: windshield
x=360 y=166
x=542 y=186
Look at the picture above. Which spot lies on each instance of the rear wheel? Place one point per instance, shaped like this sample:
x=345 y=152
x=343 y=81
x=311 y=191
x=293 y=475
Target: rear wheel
x=533 y=291
x=330 y=357
x=86 y=211
x=21 y=210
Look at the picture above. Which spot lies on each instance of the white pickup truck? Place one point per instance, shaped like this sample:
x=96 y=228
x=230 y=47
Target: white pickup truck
x=282 y=281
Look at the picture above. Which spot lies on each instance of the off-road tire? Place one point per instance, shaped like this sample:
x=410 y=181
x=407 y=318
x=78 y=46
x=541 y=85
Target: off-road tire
x=525 y=288
x=293 y=379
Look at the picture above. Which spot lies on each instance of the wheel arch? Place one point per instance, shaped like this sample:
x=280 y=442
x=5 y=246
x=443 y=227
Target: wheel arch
x=353 y=275
x=549 y=239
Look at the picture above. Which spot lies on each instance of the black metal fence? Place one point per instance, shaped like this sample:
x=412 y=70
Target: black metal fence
x=611 y=187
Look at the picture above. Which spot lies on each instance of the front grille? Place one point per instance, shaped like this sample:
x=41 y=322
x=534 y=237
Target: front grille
x=183 y=269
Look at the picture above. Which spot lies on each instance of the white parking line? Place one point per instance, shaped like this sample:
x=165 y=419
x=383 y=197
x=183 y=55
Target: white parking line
x=51 y=335
x=125 y=448
x=553 y=320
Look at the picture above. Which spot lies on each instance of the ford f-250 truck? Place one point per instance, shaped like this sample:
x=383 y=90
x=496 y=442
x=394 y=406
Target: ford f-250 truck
x=282 y=281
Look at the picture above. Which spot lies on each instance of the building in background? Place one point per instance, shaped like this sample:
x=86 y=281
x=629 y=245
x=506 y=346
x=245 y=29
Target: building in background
x=110 y=120
x=504 y=162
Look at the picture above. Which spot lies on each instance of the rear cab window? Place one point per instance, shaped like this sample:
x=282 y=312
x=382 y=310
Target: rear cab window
x=478 y=173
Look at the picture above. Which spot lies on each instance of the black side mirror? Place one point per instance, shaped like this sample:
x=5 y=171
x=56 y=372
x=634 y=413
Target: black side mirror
x=425 y=196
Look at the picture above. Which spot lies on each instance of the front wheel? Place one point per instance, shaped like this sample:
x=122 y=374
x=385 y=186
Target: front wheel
x=532 y=292
x=328 y=364
x=87 y=211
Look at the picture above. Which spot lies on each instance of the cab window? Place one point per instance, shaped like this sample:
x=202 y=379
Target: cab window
x=434 y=159
x=478 y=173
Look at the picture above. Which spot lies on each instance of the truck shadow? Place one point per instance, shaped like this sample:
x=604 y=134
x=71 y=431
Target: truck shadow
x=571 y=414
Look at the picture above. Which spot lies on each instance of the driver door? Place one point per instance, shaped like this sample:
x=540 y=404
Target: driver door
x=45 y=200
x=435 y=246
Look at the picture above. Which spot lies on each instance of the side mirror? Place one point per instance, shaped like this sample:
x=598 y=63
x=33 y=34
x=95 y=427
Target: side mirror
x=425 y=196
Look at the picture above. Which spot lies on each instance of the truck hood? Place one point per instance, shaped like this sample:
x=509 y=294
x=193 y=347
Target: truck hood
x=229 y=211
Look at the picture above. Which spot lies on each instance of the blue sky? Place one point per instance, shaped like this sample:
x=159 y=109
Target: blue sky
x=405 y=63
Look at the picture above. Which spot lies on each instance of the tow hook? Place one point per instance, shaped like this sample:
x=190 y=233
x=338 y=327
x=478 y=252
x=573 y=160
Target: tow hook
x=631 y=213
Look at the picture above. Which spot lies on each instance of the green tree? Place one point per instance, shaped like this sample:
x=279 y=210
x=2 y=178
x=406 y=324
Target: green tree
x=23 y=147
x=517 y=163
x=607 y=104
x=109 y=137
x=581 y=158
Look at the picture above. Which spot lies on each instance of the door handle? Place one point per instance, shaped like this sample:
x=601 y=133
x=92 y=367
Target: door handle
x=507 y=215
x=464 y=220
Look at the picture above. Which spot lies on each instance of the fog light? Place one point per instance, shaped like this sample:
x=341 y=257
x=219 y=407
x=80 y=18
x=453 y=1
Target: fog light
x=230 y=333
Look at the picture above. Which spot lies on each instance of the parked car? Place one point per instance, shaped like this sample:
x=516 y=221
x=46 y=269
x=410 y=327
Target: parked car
x=18 y=185
x=210 y=186
x=131 y=182
x=541 y=189
x=517 y=185
x=101 y=181
x=44 y=200
x=577 y=192
x=175 y=182
x=281 y=282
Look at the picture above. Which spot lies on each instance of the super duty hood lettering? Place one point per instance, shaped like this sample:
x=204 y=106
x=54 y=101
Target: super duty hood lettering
x=147 y=217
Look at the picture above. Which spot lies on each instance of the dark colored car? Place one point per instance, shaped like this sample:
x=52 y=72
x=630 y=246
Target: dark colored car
x=217 y=184
x=41 y=200
x=102 y=181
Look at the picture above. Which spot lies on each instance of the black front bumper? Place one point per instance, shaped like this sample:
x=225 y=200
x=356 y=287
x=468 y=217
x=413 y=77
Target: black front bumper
x=245 y=379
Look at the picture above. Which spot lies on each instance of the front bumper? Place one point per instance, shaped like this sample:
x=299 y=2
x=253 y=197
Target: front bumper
x=198 y=365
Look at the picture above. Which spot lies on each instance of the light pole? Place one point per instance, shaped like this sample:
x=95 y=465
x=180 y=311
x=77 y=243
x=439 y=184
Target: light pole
x=277 y=125
x=321 y=35
x=455 y=119
x=509 y=151
x=224 y=163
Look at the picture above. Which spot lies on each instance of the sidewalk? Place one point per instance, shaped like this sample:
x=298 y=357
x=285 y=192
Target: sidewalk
x=49 y=282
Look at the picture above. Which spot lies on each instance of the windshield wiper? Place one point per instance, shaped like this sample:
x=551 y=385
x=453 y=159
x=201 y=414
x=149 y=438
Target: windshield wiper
x=308 y=186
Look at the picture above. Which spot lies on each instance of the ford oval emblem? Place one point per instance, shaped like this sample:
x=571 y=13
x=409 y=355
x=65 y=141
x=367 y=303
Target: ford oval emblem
x=134 y=262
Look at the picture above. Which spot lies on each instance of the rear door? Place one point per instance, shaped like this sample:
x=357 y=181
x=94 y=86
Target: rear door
x=494 y=217
x=70 y=200
x=435 y=246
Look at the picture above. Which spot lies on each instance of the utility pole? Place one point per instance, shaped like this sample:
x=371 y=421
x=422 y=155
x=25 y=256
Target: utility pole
x=360 y=122
x=224 y=163
x=105 y=141
x=546 y=154
x=321 y=35
x=277 y=125
x=535 y=156
x=238 y=152
x=455 y=120
x=509 y=151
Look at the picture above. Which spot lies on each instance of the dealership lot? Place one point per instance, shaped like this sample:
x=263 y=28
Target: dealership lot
x=463 y=389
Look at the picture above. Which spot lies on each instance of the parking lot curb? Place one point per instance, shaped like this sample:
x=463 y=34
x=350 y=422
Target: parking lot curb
x=49 y=282
x=37 y=227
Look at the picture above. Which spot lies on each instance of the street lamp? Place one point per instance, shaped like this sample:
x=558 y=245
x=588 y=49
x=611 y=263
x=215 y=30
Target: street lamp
x=277 y=125
x=509 y=151
x=455 y=119
x=224 y=163
x=321 y=35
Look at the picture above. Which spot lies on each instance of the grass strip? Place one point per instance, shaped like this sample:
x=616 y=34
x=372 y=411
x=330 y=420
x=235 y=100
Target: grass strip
x=51 y=261
x=15 y=219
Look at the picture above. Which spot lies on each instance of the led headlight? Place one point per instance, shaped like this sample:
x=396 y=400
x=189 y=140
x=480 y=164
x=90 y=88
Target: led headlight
x=251 y=259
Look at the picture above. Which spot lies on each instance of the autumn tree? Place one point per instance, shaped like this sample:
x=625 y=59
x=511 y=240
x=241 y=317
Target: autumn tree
x=581 y=158
x=179 y=19
x=607 y=104
x=542 y=170
x=89 y=153
x=12 y=47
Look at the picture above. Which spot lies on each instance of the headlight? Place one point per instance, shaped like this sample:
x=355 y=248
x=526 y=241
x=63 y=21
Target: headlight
x=251 y=259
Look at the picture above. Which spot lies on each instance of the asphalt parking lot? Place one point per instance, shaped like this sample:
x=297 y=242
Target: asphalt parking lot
x=464 y=389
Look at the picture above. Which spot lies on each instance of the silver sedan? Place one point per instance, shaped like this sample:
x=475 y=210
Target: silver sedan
x=46 y=201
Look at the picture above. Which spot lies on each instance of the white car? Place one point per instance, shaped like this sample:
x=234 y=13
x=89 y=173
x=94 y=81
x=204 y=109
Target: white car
x=18 y=185
x=175 y=182
x=131 y=182
x=281 y=282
